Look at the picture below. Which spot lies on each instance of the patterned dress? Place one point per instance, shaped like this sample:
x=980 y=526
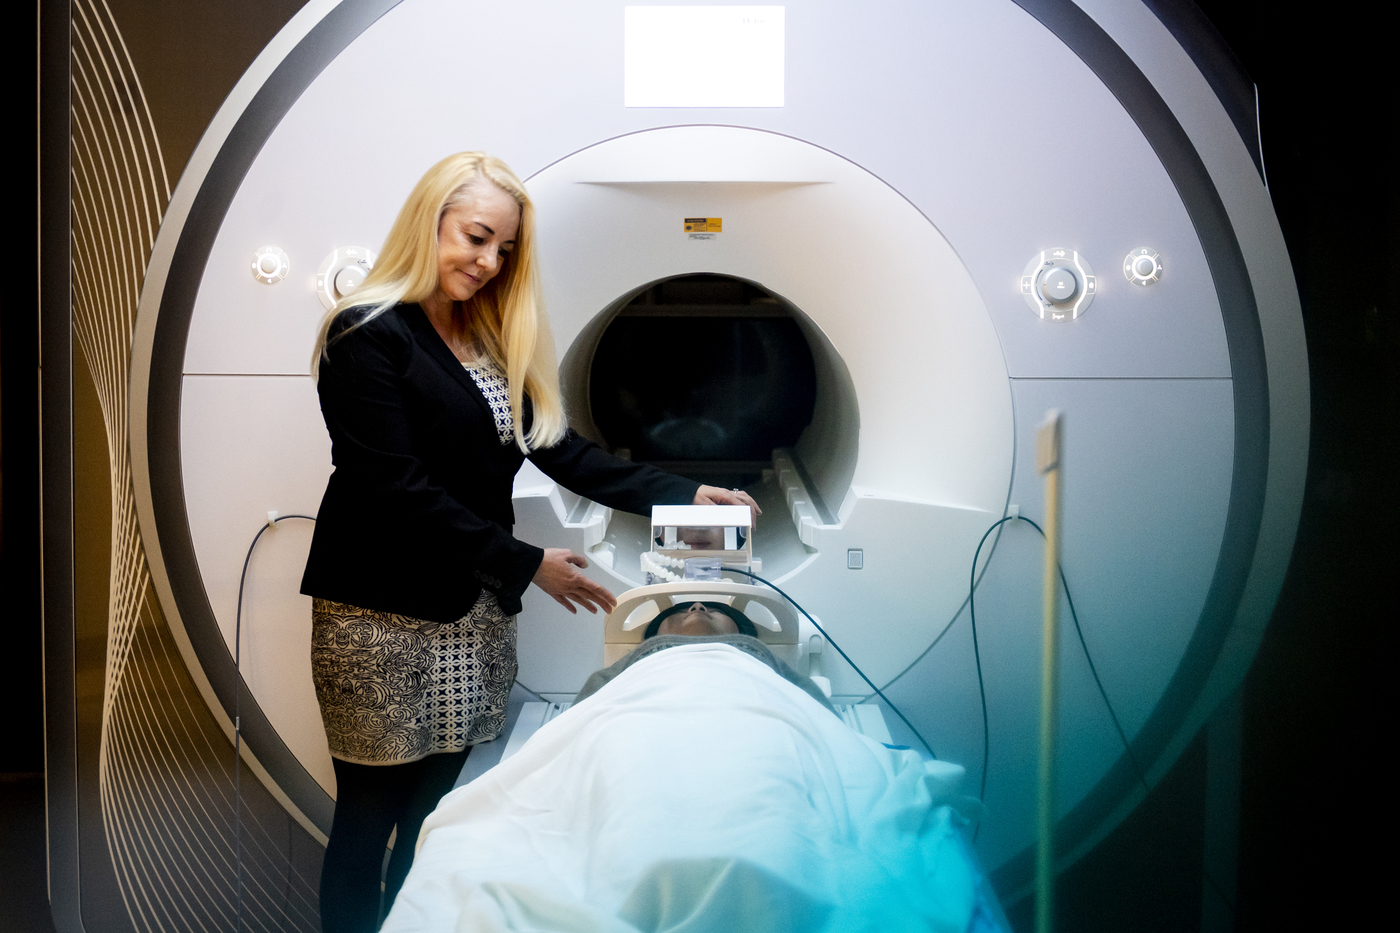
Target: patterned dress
x=394 y=689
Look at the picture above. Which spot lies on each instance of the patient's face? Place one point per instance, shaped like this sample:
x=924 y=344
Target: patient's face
x=703 y=539
x=698 y=619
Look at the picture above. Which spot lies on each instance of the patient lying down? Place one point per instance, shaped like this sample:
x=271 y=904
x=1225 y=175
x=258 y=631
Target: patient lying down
x=701 y=623
x=699 y=785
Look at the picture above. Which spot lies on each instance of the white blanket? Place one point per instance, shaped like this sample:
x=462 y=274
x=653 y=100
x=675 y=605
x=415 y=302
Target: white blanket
x=698 y=791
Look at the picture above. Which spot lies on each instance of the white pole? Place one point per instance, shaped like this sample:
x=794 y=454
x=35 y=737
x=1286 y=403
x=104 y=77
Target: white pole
x=1048 y=440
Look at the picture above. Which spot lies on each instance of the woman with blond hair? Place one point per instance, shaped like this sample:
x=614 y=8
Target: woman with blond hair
x=437 y=379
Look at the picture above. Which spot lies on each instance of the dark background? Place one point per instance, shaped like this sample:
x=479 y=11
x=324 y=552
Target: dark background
x=1314 y=714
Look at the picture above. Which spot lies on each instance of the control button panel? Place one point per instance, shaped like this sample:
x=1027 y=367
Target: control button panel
x=342 y=272
x=1058 y=284
x=1143 y=266
x=270 y=265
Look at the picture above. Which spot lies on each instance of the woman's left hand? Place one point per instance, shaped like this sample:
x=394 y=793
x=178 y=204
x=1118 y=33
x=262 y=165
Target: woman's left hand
x=558 y=575
x=713 y=495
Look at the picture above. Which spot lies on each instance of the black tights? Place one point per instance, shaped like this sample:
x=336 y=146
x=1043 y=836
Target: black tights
x=370 y=801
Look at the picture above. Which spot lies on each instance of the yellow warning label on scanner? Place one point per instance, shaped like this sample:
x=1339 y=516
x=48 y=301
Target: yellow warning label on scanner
x=704 y=224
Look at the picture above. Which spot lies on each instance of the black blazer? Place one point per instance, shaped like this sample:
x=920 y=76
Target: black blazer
x=417 y=514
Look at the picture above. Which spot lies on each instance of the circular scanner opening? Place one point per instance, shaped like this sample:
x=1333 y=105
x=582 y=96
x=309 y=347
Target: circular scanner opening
x=703 y=375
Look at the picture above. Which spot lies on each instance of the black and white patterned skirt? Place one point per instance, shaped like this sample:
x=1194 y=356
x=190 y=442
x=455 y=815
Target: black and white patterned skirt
x=394 y=689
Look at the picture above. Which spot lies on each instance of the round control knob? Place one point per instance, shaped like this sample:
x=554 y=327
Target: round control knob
x=342 y=272
x=349 y=279
x=1058 y=284
x=270 y=265
x=1143 y=266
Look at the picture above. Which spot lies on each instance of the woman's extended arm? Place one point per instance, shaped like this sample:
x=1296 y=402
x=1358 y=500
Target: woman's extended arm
x=588 y=470
x=585 y=468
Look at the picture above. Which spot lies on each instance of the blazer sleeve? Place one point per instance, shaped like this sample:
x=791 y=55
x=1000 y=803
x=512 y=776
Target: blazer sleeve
x=362 y=389
x=587 y=469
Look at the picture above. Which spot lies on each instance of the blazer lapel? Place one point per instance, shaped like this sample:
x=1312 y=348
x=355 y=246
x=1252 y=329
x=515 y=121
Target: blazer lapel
x=426 y=336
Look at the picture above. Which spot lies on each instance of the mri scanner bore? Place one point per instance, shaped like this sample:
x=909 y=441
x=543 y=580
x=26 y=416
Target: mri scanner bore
x=731 y=378
x=874 y=225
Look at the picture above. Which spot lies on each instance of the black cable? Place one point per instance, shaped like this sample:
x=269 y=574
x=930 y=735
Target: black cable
x=238 y=706
x=1123 y=736
x=843 y=654
x=238 y=721
x=1093 y=669
x=1083 y=644
x=977 y=652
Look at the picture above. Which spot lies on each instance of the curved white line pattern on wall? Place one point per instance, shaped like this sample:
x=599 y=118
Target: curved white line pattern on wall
x=165 y=770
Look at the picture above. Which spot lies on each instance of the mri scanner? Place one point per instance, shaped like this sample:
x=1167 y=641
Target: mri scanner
x=961 y=214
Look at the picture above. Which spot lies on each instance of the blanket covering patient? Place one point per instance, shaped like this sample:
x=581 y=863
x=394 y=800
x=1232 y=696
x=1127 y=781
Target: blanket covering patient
x=700 y=784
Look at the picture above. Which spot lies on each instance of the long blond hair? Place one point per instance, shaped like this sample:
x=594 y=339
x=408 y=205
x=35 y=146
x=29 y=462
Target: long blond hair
x=505 y=318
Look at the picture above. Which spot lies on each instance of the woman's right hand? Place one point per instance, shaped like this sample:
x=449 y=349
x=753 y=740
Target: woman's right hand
x=559 y=577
